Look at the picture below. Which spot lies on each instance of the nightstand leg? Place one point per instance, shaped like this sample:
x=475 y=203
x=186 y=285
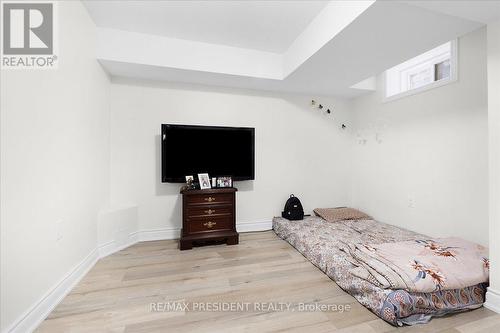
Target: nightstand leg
x=233 y=240
x=185 y=245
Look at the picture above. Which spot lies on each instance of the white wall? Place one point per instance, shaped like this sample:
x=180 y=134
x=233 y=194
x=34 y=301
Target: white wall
x=54 y=166
x=493 y=295
x=432 y=155
x=298 y=150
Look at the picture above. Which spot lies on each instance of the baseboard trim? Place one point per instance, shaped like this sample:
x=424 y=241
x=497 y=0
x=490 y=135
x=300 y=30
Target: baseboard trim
x=263 y=225
x=29 y=321
x=159 y=234
x=492 y=300
x=32 y=318
x=111 y=247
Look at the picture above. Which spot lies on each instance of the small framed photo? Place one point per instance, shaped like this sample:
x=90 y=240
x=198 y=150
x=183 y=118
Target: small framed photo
x=189 y=178
x=224 y=182
x=204 y=181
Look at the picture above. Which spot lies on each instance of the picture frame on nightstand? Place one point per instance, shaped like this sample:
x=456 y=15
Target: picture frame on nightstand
x=225 y=181
x=204 y=180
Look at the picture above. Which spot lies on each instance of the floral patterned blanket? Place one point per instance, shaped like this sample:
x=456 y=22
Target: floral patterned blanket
x=322 y=242
x=422 y=265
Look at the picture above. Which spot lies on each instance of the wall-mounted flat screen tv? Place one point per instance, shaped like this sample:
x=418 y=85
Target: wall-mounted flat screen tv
x=219 y=151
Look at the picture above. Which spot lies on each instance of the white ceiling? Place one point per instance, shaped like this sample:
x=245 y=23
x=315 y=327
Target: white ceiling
x=269 y=25
x=475 y=10
x=318 y=48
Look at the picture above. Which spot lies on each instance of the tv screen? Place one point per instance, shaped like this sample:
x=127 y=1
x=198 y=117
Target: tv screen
x=219 y=151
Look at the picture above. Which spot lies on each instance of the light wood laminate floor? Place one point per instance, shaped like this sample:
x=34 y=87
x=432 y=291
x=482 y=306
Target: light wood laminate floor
x=116 y=295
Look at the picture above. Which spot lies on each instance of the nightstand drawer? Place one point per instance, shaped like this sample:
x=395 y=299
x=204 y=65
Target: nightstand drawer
x=210 y=224
x=214 y=198
x=209 y=211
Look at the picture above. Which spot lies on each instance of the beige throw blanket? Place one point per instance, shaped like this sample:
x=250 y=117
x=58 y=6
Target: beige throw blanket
x=421 y=265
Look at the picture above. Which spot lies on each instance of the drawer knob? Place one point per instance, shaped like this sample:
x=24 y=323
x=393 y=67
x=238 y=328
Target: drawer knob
x=210 y=211
x=210 y=199
x=209 y=224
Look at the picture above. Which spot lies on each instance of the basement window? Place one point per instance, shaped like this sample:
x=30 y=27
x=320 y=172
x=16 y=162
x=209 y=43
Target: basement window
x=431 y=69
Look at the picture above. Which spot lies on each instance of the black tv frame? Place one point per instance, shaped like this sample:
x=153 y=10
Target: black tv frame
x=165 y=179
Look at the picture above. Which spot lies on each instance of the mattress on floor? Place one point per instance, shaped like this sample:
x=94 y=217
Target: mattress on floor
x=320 y=242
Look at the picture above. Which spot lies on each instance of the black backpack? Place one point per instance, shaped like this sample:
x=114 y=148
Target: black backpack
x=293 y=209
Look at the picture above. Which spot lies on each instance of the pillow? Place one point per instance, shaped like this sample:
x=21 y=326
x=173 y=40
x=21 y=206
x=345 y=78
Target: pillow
x=340 y=214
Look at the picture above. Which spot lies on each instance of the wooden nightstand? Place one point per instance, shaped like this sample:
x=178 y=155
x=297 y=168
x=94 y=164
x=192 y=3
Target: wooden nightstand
x=208 y=215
